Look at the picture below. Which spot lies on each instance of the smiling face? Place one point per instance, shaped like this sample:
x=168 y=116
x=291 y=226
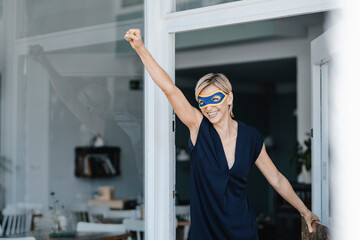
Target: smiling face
x=215 y=108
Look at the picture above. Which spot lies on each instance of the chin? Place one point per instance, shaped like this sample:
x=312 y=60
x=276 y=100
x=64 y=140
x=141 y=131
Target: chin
x=214 y=119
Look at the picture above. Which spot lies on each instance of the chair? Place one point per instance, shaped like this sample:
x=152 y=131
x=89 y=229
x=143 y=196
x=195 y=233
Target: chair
x=15 y=221
x=97 y=214
x=99 y=227
x=134 y=225
x=182 y=213
x=34 y=208
x=182 y=210
x=122 y=214
x=79 y=213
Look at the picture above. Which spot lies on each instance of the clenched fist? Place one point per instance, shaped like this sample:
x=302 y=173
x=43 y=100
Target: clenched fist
x=133 y=36
x=36 y=52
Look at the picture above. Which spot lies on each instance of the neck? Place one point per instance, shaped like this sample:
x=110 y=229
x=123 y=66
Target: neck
x=225 y=126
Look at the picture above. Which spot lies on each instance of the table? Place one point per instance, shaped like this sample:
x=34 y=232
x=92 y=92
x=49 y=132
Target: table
x=41 y=235
x=119 y=204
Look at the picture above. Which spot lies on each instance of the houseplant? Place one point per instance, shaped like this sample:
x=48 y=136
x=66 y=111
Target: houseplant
x=301 y=155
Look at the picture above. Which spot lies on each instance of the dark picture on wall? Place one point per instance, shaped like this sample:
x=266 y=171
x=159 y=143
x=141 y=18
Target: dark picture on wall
x=97 y=162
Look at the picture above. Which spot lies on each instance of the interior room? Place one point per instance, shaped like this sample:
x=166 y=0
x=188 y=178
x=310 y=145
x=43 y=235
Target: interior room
x=266 y=64
x=75 y=117
x=78 y=108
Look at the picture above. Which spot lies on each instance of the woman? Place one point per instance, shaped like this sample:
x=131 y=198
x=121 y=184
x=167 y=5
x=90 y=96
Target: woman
x=222 y=152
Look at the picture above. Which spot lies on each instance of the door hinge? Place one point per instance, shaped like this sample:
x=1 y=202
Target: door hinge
x=173 y=194
x=312 y=133
x=173 y=126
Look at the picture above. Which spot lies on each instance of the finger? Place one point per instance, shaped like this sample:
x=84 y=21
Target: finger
x=135 y=32
x=133 y=36
x=128 y=38
x=310 y=228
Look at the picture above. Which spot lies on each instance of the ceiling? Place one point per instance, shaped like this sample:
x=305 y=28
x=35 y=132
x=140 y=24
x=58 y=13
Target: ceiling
x=255 y=73
x=291 y=27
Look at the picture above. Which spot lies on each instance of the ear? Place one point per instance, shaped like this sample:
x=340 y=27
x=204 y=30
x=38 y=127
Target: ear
x=230 y=98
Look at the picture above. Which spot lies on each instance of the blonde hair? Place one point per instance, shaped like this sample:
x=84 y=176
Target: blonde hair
x=219 y=80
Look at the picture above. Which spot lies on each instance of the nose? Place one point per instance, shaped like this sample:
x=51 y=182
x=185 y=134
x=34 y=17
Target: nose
x=209 y=108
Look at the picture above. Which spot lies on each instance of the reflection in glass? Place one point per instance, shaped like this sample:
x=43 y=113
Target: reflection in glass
x=70 y=94
x=82 y=108
x=38 y=17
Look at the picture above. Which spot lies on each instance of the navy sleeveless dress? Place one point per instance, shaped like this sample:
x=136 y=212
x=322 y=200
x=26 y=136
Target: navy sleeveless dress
x=218 y=204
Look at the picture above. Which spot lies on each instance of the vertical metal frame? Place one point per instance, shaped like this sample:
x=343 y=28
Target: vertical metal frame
x=325 y=183
x=316 y=141
x=320 y=141
x=320 y=56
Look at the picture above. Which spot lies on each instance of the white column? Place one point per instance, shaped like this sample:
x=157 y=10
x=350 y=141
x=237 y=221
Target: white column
x=159 y=137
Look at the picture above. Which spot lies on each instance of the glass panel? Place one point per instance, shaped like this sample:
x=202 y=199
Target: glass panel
x=191 y=4
x=79 y=114
x=46 y=16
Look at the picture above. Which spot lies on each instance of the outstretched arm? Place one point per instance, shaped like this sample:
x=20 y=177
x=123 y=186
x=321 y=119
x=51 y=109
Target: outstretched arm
x=283 y=187
x=67 y=93
x=189 y=115
x=62 y=88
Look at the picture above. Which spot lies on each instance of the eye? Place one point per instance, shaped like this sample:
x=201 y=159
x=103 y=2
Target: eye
x=201 y=101
x=216 y=98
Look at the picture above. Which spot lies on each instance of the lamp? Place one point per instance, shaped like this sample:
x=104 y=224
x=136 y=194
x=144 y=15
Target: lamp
x=182 y=155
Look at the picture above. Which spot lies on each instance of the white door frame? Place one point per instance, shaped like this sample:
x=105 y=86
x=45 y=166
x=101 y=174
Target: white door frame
x=161 y=24
x=320 y=57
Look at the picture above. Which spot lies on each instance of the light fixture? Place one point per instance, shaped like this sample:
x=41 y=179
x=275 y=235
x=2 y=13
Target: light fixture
x=182 y=155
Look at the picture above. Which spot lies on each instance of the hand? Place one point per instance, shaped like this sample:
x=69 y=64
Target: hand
x=36 y=52
x=309 y=217
x=133 y=36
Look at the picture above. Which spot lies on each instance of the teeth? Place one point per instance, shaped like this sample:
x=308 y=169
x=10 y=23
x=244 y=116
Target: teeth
x=212 y=114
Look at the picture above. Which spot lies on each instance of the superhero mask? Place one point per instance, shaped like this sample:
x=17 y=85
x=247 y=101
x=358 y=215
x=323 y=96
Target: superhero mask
x=213 y=99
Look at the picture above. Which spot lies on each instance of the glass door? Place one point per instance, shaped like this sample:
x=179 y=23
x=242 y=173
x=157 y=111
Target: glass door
x=162 y=22
x=76 y=112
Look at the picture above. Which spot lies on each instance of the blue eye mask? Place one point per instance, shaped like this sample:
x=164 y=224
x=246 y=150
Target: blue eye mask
x=214 y=99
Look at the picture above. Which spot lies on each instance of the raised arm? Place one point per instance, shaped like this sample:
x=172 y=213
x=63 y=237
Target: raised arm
x=69 y=94
x=189 y=115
